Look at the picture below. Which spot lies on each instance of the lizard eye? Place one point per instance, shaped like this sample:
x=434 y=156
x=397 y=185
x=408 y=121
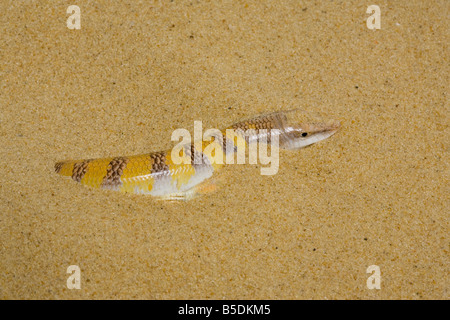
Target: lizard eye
x=298 y=134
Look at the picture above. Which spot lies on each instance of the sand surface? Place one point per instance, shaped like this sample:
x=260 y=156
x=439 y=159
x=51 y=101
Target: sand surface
x=376 y=193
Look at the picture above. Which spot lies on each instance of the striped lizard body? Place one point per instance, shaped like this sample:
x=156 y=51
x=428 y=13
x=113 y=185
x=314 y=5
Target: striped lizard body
x=157 y=174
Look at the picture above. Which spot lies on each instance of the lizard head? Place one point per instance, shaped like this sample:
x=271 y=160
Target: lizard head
x=299 y=132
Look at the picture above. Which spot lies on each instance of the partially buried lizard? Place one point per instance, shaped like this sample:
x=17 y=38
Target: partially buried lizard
x=157 y=174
